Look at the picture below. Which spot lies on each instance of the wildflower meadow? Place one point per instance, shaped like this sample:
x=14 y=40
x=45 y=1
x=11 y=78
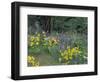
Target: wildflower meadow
x=56 y=40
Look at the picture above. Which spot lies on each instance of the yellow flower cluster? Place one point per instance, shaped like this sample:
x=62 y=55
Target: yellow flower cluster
x=34 y=40
x=52 y=41
x=32 y=60
x=69 y=53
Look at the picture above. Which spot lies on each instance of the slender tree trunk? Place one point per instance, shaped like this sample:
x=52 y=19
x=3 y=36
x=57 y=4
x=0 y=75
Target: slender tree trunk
x=46 y=23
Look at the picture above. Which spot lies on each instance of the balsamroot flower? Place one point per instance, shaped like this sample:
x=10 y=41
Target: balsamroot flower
x=69 y=53
x=32 y=60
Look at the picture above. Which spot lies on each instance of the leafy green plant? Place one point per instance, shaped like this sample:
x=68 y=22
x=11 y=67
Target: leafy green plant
x=41 y=44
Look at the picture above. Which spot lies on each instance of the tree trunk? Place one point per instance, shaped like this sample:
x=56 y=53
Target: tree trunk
x=46 y=23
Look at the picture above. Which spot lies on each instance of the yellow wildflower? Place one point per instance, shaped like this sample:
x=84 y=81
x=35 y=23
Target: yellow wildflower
x=29 y=59
x=37 y=39
x=32 y=38
x=37 y=43
x=32 y=60
x=68 y=54
x=31 y=43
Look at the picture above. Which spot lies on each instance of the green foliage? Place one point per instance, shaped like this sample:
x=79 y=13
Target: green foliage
x=57 y=40
x=40 y=44
x=59 y=23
